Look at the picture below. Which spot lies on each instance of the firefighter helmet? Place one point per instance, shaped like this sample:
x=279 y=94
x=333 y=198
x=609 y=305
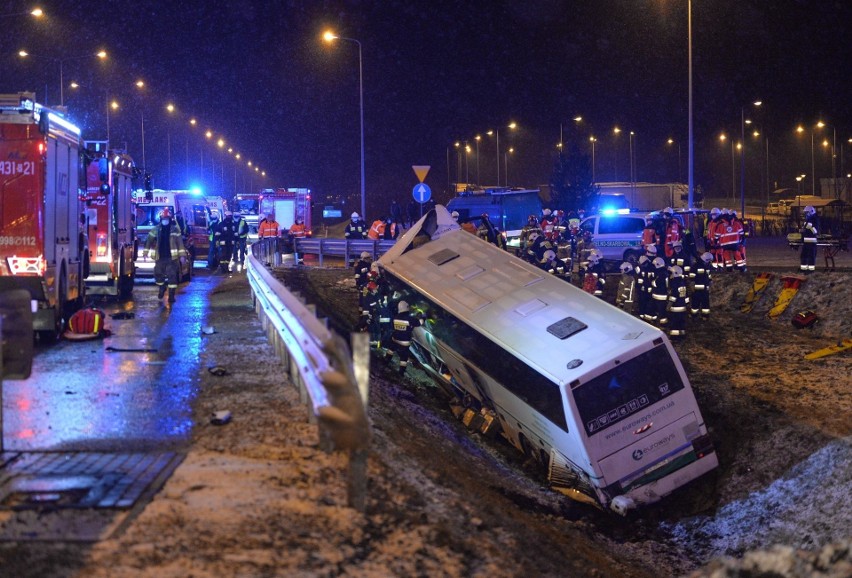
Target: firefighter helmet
x=595 y=256
x=546 y=212
x=549 y=256
x=707 y=257
x=355 y=216
x=651 y=249
x=809 y=210
x=165 y=213
x=658 y=263
x=643 y=259
x=402 y=307
x=532 y=220
x=365 y=255
x=455 y=215
x=677 y=271
x=626 y=267
x=715 y=212
x=668 y=211
x=677 y=244
x=372 y=286
x=533 y=236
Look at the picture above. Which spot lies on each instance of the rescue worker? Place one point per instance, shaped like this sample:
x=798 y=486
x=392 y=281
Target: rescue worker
x=242 y=240
x=391 y=231
x=212 y=252
x=490 y=233
x=165 y=245
x=649 y=233
x=729 y=239
x=377 y=230
x=810 y=230
x=644 y=280
x=356 y=230
x=530 y=228
x=738 y=257
x=626 y=287
x=298 y=229
x=225 y=236
x=595 y=278
x=548 y=224
x=362 y=270
x=714 y=231
x=549 y=262
x=673 y=231
x=681 y=259
x=404 y=323
x=659 y=292
x=268 y=227
x=678 y=302
x=701 y=277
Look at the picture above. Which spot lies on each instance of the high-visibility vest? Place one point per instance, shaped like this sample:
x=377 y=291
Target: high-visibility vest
x=377 y=230
x=267 y=229
x=298 y=230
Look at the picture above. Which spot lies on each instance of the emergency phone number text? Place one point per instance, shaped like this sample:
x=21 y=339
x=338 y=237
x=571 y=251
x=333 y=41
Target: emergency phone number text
x=16 y=241
x=17 y=168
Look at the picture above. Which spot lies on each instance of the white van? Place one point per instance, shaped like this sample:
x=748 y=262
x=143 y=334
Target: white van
x=616 y=234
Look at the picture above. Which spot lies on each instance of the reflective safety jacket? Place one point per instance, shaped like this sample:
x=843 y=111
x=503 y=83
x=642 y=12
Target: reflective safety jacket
x=377 y=230
x=176 y=246
x=298 y=230
x=355 y=230
x=678 y=298
x=267 y=228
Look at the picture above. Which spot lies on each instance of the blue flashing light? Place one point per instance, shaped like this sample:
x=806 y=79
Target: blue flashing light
x=197 y=191
x=608 y=212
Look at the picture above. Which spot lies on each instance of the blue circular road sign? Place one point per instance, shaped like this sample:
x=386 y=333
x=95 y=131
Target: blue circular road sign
x=421 y=192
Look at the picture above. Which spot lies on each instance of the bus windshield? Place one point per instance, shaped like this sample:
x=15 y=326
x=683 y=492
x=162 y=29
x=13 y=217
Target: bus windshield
x=626 y=389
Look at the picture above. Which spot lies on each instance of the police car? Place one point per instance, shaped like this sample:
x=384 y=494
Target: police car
x=617 y=234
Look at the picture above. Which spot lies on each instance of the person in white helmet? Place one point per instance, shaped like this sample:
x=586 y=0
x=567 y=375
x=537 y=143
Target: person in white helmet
x=810 y=230
x=356 y=229
x=625 y=298
x=404 y=323
x=659 y=292
x=678 y=302
x=362 y=269
x=702 y=275
x=594 y=279
x=711 y=242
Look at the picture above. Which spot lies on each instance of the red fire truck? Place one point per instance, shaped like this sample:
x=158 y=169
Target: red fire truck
x=287 y=205
x=109 y=221
x=42 y=244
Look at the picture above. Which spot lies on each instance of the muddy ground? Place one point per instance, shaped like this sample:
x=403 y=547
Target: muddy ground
x=781 y=425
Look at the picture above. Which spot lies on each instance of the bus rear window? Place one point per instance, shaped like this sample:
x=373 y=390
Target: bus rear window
x=626 y=389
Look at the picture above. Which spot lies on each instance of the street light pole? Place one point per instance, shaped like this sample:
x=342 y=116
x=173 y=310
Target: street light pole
x=691 y=187
x=330 y=36
x=593 y=140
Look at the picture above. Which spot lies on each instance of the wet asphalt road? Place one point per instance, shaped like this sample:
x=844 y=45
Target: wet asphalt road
x=82 y=397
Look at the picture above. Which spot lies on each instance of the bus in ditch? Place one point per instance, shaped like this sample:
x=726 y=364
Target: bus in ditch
x=596 y=396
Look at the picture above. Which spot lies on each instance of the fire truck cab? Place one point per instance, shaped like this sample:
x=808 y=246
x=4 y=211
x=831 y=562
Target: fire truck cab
x=287 y=205
x=42 y=241
x=109 y=220
x=190 y=213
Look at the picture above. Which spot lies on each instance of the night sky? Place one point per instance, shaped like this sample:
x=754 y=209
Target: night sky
x=259 y=75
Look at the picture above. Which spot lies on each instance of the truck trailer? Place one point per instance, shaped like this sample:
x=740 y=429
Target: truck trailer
x=42 y=240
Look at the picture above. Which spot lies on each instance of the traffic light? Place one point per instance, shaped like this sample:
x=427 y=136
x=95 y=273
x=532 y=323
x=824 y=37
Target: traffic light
x=149 y=186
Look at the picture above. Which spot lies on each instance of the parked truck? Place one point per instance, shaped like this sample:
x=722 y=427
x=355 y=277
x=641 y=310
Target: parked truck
x=648 y=196
x=287 y=205
x=42 y=241
x=109 y=221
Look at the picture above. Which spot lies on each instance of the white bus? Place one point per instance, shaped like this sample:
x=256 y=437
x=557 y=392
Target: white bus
x=596 y=395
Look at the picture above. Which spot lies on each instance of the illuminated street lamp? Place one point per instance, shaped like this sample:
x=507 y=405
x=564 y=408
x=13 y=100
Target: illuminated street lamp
x=743 y=122
x=506 y=162
x=330 y=37
x=36 y=12
x=722 y=138
x=496 y=133
x=800 y=129
x=24 y=54
x=593 y=140
x=141 y=85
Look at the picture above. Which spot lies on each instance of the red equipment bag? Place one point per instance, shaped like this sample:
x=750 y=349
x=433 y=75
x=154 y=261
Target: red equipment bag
x=87 y=323
x=804 y=319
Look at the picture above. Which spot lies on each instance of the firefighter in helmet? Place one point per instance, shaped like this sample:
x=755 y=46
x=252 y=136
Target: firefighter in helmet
x=404 y=323
x=165 y=245
x=810 y=230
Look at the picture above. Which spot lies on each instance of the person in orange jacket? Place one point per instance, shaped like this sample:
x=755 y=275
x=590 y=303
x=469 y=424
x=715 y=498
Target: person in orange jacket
x=268 y=227
x=297 y=229
x=377 y=230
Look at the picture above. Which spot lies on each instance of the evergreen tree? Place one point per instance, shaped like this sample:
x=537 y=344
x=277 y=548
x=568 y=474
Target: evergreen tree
x=571 y=183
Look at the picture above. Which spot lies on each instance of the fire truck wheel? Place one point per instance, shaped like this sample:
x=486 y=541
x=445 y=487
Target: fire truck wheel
x=125 y=283
x=86 y=264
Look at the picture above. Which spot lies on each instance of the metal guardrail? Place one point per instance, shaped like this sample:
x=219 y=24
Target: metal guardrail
x=344 y=248
x=319 y=363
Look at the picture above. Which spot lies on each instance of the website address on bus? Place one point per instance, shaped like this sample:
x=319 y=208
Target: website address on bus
x=641 y=420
